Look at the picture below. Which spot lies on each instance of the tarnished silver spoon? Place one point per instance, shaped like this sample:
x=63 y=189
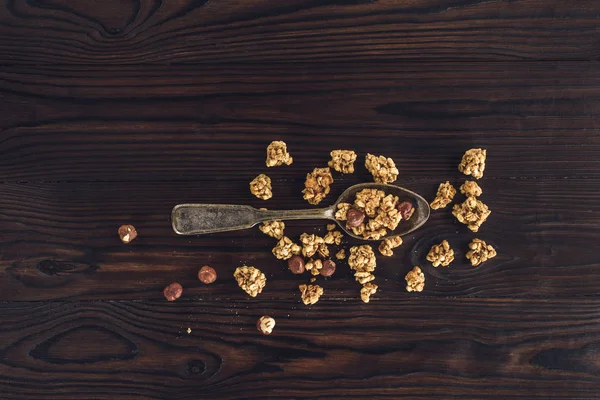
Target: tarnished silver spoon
x=198 y=219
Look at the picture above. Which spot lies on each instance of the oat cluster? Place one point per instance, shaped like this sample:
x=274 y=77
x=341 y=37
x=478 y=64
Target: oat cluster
x=310 y=244
x=317 y=185
x=278 y=155
x=333 y=237
x=261 y=187
x=441 y=254
x=310 y=293
x=415 y=280
x=341 y=255
x=444 y=195
x=387 y=246
x=285 y=248
x=471 y=188
x=367 y=290
x=380 y=208
x=314 y=266
x=362 y=262
x=383 y=169
x=342 y=210
x=480 y=252
x=343 y=161
x=472 y=212
x=273 y=228
x=323 y=250
x=473 y=163
x=250 y=279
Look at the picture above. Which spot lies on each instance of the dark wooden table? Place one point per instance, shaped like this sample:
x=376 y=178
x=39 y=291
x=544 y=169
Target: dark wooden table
x=114 y=111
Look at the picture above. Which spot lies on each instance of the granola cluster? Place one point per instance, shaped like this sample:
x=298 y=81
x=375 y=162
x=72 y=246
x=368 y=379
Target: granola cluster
x=480 y=252
x=367 y=290
x=317 y=185
x=342 y=211
x=261 y=187
x=310 y=244
x=285 y=248
x=473 y=163
x=444 y=195
x=387 y=246
x=415 y=280
x=441 y=254
x=383 y=169
x=362 y=262
x=273 y=228
x=381 y=209
x=472 y=212
x=250 y=279
x=333 y=237
x=314 y=266
x=278 y=155
x=310 y=293
x=471 y=188
x=341 y=255
x=343 y=161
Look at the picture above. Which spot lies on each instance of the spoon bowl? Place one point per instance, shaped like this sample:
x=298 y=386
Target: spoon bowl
x=198 y=219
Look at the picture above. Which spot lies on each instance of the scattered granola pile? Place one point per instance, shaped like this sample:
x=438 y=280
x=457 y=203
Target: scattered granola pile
x=261 y=187
x=441 y=254
x=343 y=161
x=382 y=168
x=317 y=185
x=250 y=279
x=444 y=195
x=278 y=155
x=480 y=252
x=415 y=280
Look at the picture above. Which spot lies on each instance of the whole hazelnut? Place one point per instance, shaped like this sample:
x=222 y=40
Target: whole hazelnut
x=127 y=233
x=328 y=268
x=173 y=291
x=265 y=325
x=405 y=209
x=355 y=217
x=207 y=274
x=296 y=265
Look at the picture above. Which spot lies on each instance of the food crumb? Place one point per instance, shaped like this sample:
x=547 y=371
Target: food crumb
x=189 y=330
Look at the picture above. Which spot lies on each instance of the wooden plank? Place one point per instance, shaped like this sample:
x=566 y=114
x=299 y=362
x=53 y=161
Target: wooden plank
x=413 y=348
x=188 y=123
x=234 y=31
x=59 y=241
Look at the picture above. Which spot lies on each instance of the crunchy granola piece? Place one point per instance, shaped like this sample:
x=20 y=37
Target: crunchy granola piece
x=317 y=185
x=415 y=280
x=273 y=228
x=388 y=244
x=383 y=169
x=323 y=250
x=374 y=234
x=367 y=290
x=333 y=237
x=261 y=187
x=310 y=293
x=310 y=244
x=330 y=227
x=473 y=163
x=340 y=255
x=357 y=230
x=362 y=258
x=250 y=279
x=368 y=200
x=441 y=254
x=363 y=277
x=285 y=248
x=342 y=210
x=480 y=252
x=343 y=161
x=472 y=213
x=277 y=154
x=471 y=188
x=387 y=214
x=444 y=195
x=314 y=266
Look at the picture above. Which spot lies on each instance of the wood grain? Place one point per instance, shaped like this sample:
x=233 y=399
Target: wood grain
x=481 y=348
x=59 y=241
x=188 y=123
x=236 y=31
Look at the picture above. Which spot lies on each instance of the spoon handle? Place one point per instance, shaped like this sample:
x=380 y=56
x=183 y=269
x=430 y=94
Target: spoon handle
x=197 y=219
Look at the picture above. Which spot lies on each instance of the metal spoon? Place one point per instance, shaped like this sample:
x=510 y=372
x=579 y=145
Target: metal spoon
x=198 y=219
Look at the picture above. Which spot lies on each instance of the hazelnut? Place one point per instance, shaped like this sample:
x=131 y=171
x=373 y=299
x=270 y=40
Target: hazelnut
x=296 y=265
x=405 y=209
x=355 y=217
x=207 y=274
x=328 y=268
x=265 y=325
x=127 y=233
x=173 y=291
